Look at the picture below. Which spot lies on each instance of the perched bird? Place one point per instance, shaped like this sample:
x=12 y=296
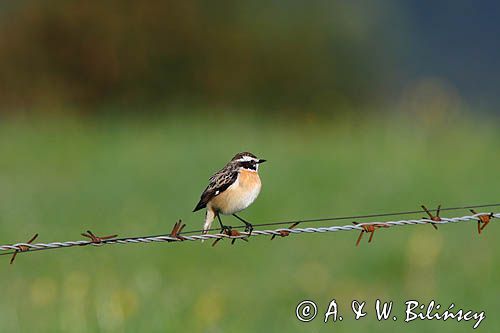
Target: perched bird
x=231 y=190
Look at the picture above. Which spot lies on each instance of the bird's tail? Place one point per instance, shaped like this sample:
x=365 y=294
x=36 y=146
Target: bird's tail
x=209 y=218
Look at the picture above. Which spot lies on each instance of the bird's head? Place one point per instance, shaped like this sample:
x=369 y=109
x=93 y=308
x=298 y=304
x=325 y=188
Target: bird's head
x=248 y=161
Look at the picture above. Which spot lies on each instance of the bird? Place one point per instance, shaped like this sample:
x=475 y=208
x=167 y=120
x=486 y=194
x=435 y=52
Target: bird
x=231 y=190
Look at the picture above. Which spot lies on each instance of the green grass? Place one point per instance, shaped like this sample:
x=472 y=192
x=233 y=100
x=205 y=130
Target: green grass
x=136 y=177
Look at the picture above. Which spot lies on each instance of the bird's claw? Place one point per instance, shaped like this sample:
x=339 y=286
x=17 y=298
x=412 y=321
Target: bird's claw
x=226 y=229
x=249 y=229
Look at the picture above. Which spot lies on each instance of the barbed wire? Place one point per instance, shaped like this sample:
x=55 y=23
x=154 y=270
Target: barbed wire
x=178 y=236
x=352 y=217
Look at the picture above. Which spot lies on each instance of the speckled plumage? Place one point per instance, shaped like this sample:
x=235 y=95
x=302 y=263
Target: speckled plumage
x=218 y=183
x=231 y=189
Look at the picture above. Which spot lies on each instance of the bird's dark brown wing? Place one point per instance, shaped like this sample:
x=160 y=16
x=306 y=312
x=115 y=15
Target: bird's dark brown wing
x=219 y=182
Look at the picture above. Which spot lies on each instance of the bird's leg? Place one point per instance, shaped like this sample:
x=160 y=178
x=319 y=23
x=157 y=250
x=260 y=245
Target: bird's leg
x=248 y=226
x=224 y=228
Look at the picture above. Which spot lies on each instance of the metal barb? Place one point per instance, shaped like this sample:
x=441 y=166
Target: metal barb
x=434 y=218
x=12 y=249
x=23 y=248
x=96 y=239
x=369 y=228
x=231 y=233
x=284 y=233
x=177 y=229
x=484 y=219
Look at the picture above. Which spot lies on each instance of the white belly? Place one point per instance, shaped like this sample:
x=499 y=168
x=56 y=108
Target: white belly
x=241 y=199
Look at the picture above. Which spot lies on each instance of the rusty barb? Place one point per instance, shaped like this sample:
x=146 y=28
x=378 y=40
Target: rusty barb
x=484 y=219
x=96 y=239
x=178 y=234
x=369 y=227
x=177 y=229
x=231 y=233
x=23 y=248
x=284 y=233
x=434 y=218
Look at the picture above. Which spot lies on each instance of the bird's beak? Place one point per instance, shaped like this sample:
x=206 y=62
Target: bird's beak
x=261 y=161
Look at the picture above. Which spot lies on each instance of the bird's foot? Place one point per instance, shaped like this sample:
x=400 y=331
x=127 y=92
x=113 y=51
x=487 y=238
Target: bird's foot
x=226 y=229
x=248 y=228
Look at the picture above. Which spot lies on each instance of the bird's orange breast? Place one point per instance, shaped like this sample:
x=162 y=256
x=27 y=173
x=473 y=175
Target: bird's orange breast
x=249 y=179
x=239 y=195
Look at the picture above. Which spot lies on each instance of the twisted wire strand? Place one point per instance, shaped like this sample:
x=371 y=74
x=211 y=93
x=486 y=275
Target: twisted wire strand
x=18 y=247
x=339 y=218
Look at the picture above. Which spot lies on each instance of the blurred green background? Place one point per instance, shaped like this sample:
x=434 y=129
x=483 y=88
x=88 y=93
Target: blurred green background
x=113 y=115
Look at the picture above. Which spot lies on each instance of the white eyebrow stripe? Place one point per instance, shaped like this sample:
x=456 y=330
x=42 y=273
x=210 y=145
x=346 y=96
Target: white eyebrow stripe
x=247 y=158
